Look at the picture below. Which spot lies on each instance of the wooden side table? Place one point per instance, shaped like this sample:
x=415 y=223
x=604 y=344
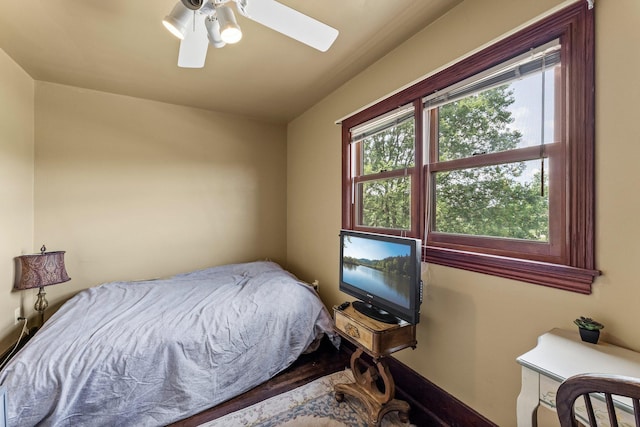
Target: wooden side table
x=378 y=340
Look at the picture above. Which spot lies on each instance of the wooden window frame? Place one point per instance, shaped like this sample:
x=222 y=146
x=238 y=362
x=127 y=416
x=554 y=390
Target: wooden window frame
x=571 y=265
x=415 y=173
x=552 y=251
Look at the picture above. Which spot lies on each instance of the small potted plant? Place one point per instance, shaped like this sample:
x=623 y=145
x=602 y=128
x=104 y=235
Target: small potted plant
x=589 y=329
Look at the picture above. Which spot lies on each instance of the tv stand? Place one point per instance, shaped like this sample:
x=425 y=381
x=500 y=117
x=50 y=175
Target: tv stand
x=373 y=385
x=374 y=312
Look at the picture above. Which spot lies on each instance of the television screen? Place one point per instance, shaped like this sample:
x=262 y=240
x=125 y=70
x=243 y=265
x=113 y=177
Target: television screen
x=384 y=273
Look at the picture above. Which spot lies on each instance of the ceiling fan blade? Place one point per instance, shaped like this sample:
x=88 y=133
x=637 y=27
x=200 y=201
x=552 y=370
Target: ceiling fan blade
x=193 y=48
x=291 y=23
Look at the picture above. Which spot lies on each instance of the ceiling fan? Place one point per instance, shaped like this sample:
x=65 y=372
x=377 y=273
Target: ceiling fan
x=198 y=23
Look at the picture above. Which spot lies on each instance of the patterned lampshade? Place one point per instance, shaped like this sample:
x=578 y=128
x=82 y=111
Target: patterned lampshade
x=42 y=269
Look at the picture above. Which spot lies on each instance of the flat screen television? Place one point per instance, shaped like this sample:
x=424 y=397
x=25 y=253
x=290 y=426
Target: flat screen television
x=383 y=272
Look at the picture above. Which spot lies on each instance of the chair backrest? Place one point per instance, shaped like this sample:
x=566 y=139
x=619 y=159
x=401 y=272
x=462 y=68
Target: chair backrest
x=606 y=386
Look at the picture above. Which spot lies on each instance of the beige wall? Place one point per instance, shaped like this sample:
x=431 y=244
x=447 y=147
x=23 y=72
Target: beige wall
x=134 y=189
x=473 y=326
x=16 y=183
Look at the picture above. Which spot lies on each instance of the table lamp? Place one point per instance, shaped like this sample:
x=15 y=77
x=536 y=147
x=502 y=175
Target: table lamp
x=40 y=270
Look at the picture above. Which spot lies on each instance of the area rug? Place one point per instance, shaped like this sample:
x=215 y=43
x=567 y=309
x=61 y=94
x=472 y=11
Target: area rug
x=311 y=405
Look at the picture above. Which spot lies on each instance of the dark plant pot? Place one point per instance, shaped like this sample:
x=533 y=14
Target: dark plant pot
x=588 y=335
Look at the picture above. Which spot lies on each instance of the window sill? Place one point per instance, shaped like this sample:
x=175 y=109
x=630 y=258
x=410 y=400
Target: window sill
x=553 y=275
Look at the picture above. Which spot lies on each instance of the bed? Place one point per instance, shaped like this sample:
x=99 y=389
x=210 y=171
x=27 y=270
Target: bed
x=153 y=352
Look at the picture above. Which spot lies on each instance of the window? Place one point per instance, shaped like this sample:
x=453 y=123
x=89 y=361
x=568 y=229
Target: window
x=493 y=143
x=384 y=172
x=490 y=161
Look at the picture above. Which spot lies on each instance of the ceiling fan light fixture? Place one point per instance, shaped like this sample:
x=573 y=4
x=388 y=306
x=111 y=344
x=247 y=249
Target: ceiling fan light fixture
x=213 y=31
x=230 y=31
x=178 y=20
x=221 y=27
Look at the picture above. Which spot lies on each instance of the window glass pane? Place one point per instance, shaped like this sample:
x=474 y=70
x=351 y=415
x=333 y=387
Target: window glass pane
x=385 y=203
x=530 y=105
x=514 y=115
x=496 y=201
x=390 y=149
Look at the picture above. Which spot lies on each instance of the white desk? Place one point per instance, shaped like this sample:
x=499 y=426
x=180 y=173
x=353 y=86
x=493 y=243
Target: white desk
x=559 y=355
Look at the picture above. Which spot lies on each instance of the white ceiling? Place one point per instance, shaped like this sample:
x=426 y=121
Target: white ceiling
x=120 y=46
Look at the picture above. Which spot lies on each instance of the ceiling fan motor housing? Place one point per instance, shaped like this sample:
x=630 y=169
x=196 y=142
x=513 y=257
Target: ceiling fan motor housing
x=193 y=4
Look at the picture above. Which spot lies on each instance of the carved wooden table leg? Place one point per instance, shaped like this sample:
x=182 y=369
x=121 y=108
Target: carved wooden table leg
x=365 y=388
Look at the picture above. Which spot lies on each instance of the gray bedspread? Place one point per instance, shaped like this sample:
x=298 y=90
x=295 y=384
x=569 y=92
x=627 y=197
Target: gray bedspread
x=153 y=352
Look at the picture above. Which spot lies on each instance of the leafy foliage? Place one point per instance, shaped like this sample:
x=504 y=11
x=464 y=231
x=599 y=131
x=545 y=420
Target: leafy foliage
x=493 y=200
x=397 y=265
x=496 y=200
x=387 y=202
x=588 y=323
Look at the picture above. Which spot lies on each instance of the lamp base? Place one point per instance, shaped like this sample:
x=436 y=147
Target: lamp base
x=41 y=304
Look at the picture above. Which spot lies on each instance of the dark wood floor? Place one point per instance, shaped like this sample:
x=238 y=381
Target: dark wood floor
x=326 y=360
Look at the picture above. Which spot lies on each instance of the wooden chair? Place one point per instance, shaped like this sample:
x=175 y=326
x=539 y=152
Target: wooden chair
x=603 y=385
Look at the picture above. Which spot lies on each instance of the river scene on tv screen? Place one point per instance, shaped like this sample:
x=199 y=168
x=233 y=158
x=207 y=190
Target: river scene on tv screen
x=378 y=267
